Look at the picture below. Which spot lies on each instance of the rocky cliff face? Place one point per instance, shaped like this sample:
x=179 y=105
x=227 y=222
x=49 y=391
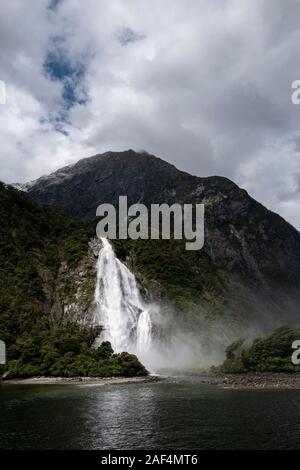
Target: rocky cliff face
x=47 y=274
x=250 y=264
x=80 y=188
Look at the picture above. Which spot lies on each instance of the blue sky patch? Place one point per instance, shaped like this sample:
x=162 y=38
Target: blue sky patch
x=59 y=67
x=70 y=73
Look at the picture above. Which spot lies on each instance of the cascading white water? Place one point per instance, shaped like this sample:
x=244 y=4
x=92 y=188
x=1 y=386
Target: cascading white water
x=123 y=315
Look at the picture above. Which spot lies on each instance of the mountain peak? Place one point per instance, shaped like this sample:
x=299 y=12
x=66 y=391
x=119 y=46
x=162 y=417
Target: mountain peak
x=245 y=243
x=129 y=157
x=80 y=187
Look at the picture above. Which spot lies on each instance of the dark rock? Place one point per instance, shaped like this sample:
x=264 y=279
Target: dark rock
x=255 y=251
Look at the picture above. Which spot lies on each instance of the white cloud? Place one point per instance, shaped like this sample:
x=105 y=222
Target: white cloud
x=205 y=85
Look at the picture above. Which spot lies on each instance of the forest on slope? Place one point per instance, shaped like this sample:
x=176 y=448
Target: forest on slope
x=42 y=338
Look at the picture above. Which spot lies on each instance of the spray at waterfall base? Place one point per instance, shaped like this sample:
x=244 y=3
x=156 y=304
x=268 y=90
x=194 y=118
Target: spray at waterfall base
x=128 y=322
x=144 y=328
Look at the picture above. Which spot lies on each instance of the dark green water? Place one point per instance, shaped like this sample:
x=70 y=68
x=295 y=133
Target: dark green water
x=176 y=413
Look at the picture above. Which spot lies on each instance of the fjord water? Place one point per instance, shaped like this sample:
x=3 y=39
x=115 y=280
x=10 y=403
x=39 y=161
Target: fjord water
x=125 y=318
x=178 y=413
x=175 y=413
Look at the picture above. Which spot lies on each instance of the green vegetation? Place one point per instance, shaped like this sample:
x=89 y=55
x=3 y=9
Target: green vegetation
x=41 y=338
x=34 y=242
x=186 y=278
x=68 y=352
x=181 y=273
x=271 y=353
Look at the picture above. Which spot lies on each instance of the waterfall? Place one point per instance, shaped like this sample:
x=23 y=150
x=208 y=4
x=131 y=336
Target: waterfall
x=120 y=310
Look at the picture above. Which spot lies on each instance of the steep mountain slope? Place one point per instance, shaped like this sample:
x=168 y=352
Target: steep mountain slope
x=47 y=281
x=249 y=268
x=39 y=249
x=80 y=188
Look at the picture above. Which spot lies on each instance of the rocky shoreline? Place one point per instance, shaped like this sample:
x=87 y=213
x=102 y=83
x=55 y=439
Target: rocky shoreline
x=81 y=380
x=247 y=381
x=258 y=381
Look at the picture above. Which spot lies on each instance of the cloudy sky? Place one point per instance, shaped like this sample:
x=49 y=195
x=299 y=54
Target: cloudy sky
x=204 y=84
